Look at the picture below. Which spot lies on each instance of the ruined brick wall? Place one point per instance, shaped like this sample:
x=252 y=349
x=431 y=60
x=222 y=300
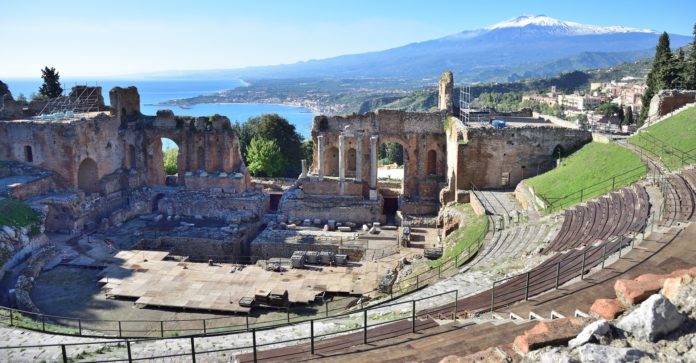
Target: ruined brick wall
x=421 y=134
x=446 y=92
x=296 y=206
x=667 y=101
x=215 y=204
x=332 y=187
x=497 y=158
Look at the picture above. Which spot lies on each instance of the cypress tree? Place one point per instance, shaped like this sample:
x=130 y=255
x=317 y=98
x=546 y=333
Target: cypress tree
x=690 y=66
x=51 y=87
x=629 y=115
x=679 y=64
x=661 y=75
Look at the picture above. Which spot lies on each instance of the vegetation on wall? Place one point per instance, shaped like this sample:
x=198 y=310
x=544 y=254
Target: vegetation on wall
x=14 y=213
x=170 y=156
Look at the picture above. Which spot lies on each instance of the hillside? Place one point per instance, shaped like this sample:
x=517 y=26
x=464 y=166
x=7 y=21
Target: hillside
x=591 y=171
x=528 y=46
x=673 y=140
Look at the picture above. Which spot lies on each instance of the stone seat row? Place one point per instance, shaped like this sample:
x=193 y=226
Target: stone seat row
x=680 y=197
x=616 y=214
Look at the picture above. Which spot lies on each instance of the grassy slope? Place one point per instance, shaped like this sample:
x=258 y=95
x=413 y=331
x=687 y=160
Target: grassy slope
x=678 y=131
x=591 y=168
x=472 y=232
x=17 y=214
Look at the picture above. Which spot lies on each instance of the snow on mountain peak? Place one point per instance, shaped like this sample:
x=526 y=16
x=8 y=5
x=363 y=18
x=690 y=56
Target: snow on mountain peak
x=563 y=27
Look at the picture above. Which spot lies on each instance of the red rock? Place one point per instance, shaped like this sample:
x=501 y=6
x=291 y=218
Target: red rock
x=548 y=333
x=607 y=308
x=631 y=292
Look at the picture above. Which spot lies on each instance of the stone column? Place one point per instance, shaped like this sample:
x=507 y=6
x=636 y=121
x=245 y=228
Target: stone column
x=304 y=168
x=373 y=167
x=358 y=156
x=320 y=154
x=341 y=158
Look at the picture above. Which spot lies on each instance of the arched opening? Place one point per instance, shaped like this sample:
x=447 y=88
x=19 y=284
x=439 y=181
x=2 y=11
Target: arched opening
x=432 y=162
x=130 y=157
x=88 y=176
x=350 y=163
x=331 y=161
x=28 y=154
x=170 y=161
x=390 y=175
x=200 y=158
x=155 y=202
x=558 y=152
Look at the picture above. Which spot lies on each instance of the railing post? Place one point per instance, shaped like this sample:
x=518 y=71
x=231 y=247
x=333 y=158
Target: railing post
x=193 y=351
x=205 y=330
x=582 y=270
x=413 y=316
x=119 y=328
x=613 y=183
x=11 y=317
x=311 y=337
x=43 y=323
x=454 y=311
x=417 y=281
x=162 y=328
x=558 y=273
x=364 y=326
x=439 y=271
x=288 y=311
x=492 y=297
x=581 y=194
x=604 y=255
x=64 y=353
x=327 y=308
x=79 y=326
x=526 y=289
x=128 y=349
x=253 y=342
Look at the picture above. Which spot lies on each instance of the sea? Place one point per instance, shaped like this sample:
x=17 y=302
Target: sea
x=155 y=91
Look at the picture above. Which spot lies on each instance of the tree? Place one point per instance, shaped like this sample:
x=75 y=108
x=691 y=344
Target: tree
x=51 y=87
x=690 y=66
x=661 y=75
x=308 y=151
x=274 y=128
x=22 y=98
x=679 y=64
x=4 y=90
x=609 y=109
x=629 y=116
x=264 y=157
x=170 y=156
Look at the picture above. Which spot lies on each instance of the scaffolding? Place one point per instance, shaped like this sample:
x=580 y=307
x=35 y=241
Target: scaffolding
x=468 y=112
x=82 y=99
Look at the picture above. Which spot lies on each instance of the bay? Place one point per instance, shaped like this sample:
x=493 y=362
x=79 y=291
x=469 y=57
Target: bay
x=155 y=91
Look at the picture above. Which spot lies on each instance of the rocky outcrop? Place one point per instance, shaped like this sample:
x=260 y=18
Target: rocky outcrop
x=25 y=282
x=655 y=318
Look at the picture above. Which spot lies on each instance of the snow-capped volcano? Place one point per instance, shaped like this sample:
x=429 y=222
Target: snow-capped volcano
x=563 y=27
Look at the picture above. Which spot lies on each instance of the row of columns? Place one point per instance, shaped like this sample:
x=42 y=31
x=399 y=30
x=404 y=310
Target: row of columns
x=358 y=160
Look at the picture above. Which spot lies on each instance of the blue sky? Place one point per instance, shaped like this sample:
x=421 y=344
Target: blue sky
x=98 y=38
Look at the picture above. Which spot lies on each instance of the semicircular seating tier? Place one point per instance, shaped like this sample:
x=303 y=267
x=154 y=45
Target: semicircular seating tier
x=680 y=197
x=616 y=214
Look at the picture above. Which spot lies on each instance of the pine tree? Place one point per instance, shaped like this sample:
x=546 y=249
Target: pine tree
x=51 y=87
x=679 y=64
x=661 y=75
x=690 y=66
x=629 y=115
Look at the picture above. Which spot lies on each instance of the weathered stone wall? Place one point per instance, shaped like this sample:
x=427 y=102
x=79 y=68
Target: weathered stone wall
x=497 y=158
x=667 y=101
x=333 y=187
x=214 y=204
x=198 y=249
x=296 y=205
x=420 y=134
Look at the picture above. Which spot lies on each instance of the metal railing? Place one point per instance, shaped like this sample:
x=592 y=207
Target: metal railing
x=612 y=183
x=671 y=157
x=353 y=326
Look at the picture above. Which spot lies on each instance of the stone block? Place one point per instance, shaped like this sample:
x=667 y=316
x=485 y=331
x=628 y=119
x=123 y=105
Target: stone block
x=344 y=229
x=655 y=318
x=681 y=291
x=548 y=333
x=317 y=221
x=609 y=354
x=607 y=308
x=591 y=333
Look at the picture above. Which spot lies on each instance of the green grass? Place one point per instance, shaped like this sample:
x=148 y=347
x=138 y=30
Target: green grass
x=17 y=214
x=468 y=235
x=678 y=132
x=595 y=169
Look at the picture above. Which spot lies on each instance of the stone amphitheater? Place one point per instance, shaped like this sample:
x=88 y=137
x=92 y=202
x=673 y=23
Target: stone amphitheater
x=210 y=265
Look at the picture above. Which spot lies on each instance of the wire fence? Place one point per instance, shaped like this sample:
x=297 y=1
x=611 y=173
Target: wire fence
x=673 y=158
